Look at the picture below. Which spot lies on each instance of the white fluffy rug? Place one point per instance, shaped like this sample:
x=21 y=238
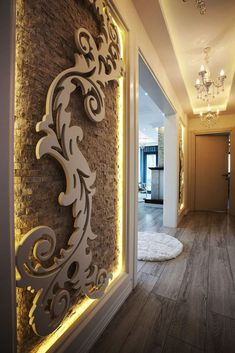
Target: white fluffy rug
x=157 y=246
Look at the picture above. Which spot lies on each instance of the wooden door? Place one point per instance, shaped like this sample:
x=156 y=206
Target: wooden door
x=211 y=184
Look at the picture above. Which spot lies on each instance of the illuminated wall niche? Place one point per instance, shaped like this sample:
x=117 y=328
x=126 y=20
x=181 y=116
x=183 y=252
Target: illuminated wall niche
x=63 y=275
x=181 y=166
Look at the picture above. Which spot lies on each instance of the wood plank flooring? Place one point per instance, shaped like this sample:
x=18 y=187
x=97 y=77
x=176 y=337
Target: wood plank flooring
x=185 y=305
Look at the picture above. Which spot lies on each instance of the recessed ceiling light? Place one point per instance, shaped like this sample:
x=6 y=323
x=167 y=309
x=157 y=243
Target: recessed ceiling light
x=146 y=93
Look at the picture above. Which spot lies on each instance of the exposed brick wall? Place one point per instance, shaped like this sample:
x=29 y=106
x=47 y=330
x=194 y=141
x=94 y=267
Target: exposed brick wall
x=45 y=47
x=161 y=147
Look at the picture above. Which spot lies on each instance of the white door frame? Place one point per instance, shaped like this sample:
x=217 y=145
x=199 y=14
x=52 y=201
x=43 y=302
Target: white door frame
x=171 y=161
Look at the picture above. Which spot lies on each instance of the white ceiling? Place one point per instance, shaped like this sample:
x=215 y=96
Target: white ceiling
x=150 y=118
x=150 y=85
x=179 y=33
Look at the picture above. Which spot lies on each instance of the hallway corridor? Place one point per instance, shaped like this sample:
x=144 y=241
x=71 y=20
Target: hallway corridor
x=185 y=305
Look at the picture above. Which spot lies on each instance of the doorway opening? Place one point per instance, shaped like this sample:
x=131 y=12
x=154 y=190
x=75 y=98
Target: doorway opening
x=151 y=150
x=154 y=111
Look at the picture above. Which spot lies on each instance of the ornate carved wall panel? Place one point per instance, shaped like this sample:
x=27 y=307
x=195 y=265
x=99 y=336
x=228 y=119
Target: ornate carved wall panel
x=67 y=248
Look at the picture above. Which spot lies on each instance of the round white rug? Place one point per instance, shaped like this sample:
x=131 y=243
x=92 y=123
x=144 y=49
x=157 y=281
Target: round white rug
x=157 y=246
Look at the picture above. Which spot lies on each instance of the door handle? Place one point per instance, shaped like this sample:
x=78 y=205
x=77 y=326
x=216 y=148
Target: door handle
x=227 y=176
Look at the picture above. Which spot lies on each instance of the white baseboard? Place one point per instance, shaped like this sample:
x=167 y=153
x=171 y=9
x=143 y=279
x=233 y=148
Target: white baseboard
x=80 y=339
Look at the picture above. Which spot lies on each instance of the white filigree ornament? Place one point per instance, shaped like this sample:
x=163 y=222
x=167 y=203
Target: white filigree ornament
x=96 y=64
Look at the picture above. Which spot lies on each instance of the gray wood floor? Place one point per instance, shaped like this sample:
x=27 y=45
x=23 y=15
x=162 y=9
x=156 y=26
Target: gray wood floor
x=185 y=305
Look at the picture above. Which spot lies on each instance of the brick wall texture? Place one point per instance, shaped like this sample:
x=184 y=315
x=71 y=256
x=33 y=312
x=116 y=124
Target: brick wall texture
x=161 y=147
x=45 y=47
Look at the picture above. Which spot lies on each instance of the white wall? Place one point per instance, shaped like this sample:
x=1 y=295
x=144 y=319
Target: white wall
x=141 y=42
x=224 y=121
x=171 y=171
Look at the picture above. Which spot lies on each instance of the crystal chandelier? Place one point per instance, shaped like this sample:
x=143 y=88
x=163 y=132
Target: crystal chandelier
x=206 y=87
x=201 y=5
x=209 y=118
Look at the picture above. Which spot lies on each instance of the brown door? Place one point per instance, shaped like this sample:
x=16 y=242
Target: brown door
x=211 y=185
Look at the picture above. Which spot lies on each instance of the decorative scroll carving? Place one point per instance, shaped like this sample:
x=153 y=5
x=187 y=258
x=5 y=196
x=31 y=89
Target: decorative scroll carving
x=71 y=273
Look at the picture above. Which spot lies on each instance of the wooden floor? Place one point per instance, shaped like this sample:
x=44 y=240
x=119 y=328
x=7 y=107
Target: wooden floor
x=185 y=305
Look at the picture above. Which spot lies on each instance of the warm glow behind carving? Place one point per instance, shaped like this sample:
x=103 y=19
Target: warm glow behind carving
x=120 y=224
x=181 y=206
x=120 y=178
